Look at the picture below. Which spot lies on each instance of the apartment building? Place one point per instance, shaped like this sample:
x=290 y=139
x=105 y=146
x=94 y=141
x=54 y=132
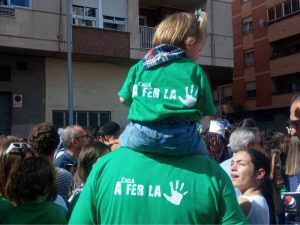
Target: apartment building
x=266 y=37
x=109 y=36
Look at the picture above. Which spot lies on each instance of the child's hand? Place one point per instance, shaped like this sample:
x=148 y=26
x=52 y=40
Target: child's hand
x=190 y=100
x=122 y=100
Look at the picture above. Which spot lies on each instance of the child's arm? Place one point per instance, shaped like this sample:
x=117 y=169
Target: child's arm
x=124 y=101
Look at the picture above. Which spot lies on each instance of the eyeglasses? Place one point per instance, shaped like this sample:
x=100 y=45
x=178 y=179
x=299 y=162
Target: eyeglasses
x=17 y=145
x=293 y=124
x=83 y=136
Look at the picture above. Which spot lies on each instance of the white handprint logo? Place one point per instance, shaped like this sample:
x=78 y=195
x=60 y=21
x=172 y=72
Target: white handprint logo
x=176 y=196
x=190 y=99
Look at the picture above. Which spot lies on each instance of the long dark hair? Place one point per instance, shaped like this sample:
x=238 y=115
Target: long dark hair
x=260 y=161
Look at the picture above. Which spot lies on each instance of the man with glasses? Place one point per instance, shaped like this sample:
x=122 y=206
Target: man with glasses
x=294 y=122
x=74 y=138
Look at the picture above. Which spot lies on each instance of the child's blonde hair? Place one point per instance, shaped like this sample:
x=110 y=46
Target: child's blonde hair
x=179 y=28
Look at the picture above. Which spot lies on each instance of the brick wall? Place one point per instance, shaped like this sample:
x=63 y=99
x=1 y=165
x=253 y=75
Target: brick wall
x=256 y=2
x=263 y=90
x=259 y=30
x=238 y=62
x=100 y=42
x=238 y=91
x=236 y=7
x=237 y=31
x=262 y=55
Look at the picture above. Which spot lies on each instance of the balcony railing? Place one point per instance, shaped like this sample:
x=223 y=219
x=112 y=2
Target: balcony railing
x=146 y=35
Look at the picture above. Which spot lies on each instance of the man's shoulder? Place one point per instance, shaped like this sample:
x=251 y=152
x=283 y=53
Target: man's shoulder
x=128 y=158
x=226 y=163
x=64 y=158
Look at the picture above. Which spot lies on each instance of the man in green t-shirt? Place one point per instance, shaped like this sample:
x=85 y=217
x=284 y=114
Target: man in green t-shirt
x=130 y=187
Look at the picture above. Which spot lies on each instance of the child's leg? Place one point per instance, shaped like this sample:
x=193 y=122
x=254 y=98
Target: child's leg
x=168 y=138
x=137 y=137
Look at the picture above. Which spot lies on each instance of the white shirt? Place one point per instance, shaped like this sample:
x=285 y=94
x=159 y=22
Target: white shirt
x=259 y=211
x=226 y=167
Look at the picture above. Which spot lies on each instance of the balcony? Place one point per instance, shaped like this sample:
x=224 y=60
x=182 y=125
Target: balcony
x=283 y=100
x=284 y=28
x=100 y=42
x=285 y=65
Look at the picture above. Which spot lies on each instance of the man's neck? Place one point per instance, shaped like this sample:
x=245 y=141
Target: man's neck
x=74 y=153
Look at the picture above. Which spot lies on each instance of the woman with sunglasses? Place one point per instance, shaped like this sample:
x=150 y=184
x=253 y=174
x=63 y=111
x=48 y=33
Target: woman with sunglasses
x=13 y=150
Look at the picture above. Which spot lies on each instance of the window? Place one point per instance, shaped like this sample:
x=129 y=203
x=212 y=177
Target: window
x=271 y=14
x=84 y=118
x=114 y=23
x=84 y=16
x=287 y=8
x=4 y=73
x=23 y=3
x=247 y=25
x=295 y=5
x=250 y=90
x=143 y=21
x=228 y=94
x=249 y=58
x=278 y=9
x=283 y=9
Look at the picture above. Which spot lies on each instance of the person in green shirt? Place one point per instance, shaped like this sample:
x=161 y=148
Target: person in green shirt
x=131 y=187
x=167 y=91
x=33 y=189
x=5 y=207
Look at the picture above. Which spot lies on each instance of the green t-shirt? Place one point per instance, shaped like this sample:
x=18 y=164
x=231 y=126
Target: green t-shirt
x=172 y=91
x=5 y=208
x=36 y=213
x=129 y=187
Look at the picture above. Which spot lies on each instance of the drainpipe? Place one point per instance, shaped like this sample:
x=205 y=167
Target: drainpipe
x=69 y=51
x=212 y=43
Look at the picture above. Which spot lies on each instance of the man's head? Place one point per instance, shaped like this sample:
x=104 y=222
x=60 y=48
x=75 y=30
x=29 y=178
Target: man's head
x=43 y=139
x=75 y=137
x=245 y=138
x=109 y=133
x=295 y=116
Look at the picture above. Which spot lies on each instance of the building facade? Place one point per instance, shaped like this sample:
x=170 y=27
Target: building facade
x=108 y=37
x=266 y=37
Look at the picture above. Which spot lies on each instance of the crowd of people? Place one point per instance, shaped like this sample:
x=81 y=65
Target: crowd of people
x=164 y=167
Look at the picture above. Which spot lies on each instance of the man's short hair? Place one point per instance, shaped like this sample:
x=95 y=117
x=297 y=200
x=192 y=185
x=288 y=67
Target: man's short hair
x=241 y=136
x=110 y=129
x=70 y=132
x=43 y=139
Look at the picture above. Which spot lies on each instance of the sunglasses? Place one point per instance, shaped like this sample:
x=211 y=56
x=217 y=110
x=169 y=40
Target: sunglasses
x=17 y=145
x=83 y=136
x=293 y=124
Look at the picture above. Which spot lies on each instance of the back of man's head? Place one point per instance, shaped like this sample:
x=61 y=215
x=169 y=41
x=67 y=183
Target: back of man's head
x=43 y=139
x=242 y=136
x=110 y=129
